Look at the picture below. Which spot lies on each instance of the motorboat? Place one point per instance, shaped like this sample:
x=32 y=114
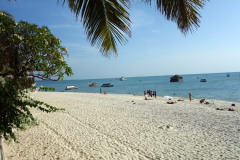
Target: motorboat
x=70 y=88
x=92 y=84
x=203 y=80
x=122 y=79
x=228 y=75
x=176 y=78
x=106 y=85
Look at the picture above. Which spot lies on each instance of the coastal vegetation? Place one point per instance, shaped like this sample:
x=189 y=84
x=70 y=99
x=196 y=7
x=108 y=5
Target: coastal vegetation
x=26 y=51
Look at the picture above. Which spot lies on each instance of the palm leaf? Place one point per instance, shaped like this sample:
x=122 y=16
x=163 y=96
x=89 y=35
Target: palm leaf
x=105 y=22
x=184 y=12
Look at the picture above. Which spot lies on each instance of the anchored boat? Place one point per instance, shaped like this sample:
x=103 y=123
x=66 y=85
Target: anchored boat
x=70 y=88
x=176 y=78
x=106 y=85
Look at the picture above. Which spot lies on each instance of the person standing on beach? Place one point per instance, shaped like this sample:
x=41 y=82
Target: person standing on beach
x=100 y=90
x=144 y=93
x=190 y=97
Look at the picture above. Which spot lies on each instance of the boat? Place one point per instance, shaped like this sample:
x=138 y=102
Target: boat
x=228 y=75
x=70 y=88
x=92 y=84
x=106 y=85
x=122 y=79
x=176 y=78
x=197 y=77
x=203 y=80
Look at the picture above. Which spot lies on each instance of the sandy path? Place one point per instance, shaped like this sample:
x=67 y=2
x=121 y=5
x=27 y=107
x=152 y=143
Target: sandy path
x=123 y=127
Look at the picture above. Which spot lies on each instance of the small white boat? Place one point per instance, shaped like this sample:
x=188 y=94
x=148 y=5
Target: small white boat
x=203 y=80
x=70 y=88
x=106 y=85
x=122 y=79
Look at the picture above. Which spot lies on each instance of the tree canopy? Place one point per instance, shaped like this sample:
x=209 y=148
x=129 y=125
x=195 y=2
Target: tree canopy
x=31 y=50
x=26 y=50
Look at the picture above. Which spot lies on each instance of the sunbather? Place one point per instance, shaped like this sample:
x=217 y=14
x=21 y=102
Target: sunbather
x=147 y=98
x=171 y=102
x=202 y=100
x=208 y=103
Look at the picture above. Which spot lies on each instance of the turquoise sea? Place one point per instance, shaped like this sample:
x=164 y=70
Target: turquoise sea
x=218 y=86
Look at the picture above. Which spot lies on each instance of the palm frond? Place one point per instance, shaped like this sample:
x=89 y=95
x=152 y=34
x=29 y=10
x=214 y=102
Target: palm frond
x=105 y=22
x=184 y=12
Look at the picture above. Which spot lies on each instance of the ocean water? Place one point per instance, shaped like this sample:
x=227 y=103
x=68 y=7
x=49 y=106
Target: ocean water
x=218 y=86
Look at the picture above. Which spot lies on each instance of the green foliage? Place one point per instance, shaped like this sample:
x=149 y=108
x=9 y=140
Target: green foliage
x=14 y=108
x=26 y=50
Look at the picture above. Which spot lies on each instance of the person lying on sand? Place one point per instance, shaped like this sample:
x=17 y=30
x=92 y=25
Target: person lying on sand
x=219 y=109
x=202 y=100
x=171 y=102
x=208 y=103
x=147 y=98
x=180 y=100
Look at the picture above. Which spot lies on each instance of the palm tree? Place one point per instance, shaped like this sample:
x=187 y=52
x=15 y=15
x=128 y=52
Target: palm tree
x=106 y=21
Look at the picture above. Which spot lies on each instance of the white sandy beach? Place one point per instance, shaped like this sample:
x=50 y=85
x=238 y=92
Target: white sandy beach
x=121 y=127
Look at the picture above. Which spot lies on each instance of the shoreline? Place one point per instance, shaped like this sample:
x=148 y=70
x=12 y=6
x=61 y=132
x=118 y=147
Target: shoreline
x=116 y=126
x=186 y=98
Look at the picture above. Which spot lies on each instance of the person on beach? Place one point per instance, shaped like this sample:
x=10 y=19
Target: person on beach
x=155 y=94
x=100 y=90
x=144 y=93
x=202 y=100
x=208 y=103
x=147 y=98
x=171 y=102
x=152 y=94
x=190 y=97
x=180 y=100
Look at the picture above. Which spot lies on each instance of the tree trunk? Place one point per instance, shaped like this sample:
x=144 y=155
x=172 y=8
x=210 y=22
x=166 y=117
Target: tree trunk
x=1 y=150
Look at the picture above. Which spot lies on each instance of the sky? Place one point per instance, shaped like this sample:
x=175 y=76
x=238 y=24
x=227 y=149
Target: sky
x=156 y=47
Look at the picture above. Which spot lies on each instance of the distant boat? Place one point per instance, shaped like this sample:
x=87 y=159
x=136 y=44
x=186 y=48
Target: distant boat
x=91 y=84
x=106 y=85
x=70 y=88
x=197 y=77
x=228 y=75
x=176 y=78
x=203 y=80
x=122 y=79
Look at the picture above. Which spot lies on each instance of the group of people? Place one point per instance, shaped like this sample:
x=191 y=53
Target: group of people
x=150 y=93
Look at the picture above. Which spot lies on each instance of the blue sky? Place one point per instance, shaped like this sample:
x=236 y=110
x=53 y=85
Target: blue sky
x=156 y=47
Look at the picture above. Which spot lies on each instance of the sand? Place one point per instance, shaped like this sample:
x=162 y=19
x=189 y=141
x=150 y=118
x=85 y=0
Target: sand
x=121 y=127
